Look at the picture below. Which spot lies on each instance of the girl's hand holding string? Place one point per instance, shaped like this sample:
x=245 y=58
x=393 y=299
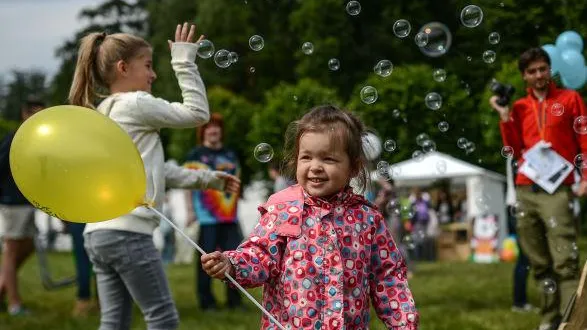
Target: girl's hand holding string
x=216 y=264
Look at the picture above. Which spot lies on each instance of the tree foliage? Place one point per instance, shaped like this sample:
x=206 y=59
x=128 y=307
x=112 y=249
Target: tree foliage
x=257 y=92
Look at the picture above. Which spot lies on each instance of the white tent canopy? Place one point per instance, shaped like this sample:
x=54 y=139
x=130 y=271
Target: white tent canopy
x=485 y=189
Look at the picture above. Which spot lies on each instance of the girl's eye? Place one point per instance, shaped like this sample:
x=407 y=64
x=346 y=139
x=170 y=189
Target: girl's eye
x=304 y=157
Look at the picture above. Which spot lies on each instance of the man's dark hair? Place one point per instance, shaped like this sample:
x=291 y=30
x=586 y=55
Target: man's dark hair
x=33 y=101
x=532 y=55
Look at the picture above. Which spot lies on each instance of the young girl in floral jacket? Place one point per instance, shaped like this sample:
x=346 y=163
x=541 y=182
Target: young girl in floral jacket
x=320 y=251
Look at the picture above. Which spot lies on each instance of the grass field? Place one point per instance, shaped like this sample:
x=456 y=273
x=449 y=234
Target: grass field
x=449 y=296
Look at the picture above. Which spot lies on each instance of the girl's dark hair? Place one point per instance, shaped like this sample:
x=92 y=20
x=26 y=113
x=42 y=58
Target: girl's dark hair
x=343 y=126
x=532 y=55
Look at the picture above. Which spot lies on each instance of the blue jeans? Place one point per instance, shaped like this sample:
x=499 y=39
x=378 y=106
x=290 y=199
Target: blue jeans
x=128 y=267
x=216 y=237
x=83 y=267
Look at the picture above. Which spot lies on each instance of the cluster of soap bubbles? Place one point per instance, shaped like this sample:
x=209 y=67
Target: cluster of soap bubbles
x=434 y=39
x=466 y=145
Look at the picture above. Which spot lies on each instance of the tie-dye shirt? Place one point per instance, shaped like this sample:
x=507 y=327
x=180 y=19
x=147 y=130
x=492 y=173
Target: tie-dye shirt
x=214 y=206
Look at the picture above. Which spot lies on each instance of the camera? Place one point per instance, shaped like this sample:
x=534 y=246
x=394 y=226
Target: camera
x=503 y=91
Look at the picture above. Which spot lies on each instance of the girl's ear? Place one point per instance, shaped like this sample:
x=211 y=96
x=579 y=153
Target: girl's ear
x=121 y=67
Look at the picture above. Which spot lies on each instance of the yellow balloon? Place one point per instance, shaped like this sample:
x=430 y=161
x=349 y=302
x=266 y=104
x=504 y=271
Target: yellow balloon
x=78 y=165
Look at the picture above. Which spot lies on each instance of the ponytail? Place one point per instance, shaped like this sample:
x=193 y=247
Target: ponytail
x=86 y=77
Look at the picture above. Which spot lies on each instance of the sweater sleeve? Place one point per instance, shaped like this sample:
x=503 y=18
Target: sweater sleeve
x=579 y=110
x=511 y=132
x=181 y=177
x=256 y=260
x=194 y=111
x=391 y=297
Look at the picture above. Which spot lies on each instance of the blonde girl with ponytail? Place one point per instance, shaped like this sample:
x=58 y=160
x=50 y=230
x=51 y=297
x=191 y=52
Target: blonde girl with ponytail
x=118 y=68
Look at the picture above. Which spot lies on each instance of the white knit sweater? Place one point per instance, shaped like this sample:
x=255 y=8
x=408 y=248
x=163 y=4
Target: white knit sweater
x=142 y=116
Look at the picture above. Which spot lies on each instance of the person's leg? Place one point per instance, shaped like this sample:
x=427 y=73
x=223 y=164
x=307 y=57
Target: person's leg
x=19 y=231
x=144 y=277
x=208 y=242
x=532 y=235
x=229 y=238
x=115 y=300
x=521 y=271
x=82 y=268
x=562 y=241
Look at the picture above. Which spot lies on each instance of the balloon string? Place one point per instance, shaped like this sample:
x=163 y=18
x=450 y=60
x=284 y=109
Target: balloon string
x=162 y=216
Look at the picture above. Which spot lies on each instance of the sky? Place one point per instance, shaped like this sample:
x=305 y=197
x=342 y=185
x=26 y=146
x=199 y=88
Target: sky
x=31 y=30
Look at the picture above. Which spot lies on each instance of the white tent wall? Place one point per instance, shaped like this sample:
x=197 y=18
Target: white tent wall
x=486 y=195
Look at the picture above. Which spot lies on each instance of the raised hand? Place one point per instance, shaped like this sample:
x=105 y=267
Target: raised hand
x=185 y=33
x=504 y=112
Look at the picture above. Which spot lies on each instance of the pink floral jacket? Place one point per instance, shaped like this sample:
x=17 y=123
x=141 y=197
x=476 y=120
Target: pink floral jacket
x=320 y=262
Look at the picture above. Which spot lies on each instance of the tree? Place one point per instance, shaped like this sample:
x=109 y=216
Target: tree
x=236 y=112
x=400 y=113
x=284 y=104
x=22 y=85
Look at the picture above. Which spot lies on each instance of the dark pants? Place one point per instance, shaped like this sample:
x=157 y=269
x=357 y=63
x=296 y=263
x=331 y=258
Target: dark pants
x=83 y=267
x=521 y=271
x=216 y=237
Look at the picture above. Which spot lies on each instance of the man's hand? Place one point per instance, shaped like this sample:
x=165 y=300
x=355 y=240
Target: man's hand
x=504 y=112
x=582 y=190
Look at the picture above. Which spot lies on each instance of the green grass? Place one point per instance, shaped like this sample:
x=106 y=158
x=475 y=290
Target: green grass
x=449 y=296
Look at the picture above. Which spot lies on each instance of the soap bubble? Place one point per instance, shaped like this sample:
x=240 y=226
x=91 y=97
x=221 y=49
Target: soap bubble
x=256 y=42
x=418 y=155
x=580 y=125
x=205 y=48
x=439 y=75
x=263 y=152
x=548 y=286
x=462 y=142
x=233 y=57
x=421 y=39
x=252 y=69
x=333 y=64
x=441 y=166
x=494 y=38
x=443 y=126
x=433 y=101
x=421 y=138
x=557 y=109
x=471 y=16
x=396 y=113
x=368 y=94
x=429 y=146
x=308 y=48
x=389 y=145
x=383 y=68
x=401 y=28
x=489 y=56
x=579 y=161
x=222 y=58
x=439 y=39
x=353 y=8
x=507 y=152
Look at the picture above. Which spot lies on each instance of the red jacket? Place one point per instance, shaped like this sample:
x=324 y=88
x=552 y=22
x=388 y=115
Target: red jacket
x=525 y=127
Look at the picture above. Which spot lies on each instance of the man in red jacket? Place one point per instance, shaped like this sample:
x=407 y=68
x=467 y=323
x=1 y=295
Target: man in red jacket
x=545 y=225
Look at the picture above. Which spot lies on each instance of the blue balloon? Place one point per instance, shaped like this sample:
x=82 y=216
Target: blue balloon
x=555 y=57
x=572 y=66
x=575 y=82
x=569 y=40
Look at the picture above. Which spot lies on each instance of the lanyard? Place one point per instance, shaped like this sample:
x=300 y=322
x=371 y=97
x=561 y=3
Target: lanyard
x=540 y=118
